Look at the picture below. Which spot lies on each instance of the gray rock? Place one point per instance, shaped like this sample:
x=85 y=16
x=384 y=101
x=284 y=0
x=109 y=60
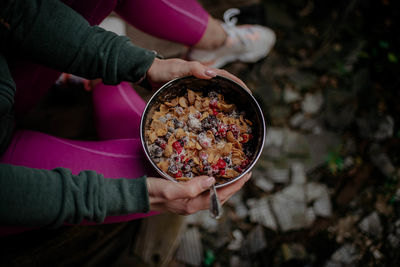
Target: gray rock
x=237 y=241
x=346 y=255
x=264 y=184
x=322 y=205
x=290 y=95
x=295 y=144
x=290 y=209
x=255 y=241
x=190 y=250
x=377 y=127
x=274 y=137
x=312 y=103
x=260 y=212
x=296 y=120
x=381 y=160
x=318 y=195
x=371 y=225
x=278 y=175
x=203 y=219
x=298 y=173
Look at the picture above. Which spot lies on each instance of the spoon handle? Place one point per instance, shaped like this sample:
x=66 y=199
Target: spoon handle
x=215 y=204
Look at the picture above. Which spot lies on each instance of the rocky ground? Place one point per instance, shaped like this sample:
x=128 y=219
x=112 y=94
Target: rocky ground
x=326 y=190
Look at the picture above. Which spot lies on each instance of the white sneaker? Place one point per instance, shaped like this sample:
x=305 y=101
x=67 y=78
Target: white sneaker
x=246 y=43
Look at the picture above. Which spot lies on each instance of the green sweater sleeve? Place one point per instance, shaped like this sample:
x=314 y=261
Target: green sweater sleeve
x=35 y=198
x=51 y=33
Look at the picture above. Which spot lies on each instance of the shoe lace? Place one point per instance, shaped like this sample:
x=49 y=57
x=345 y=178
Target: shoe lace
x=230 y=16
x=230 y=21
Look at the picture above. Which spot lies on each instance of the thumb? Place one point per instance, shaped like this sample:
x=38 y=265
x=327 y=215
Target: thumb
x=193 y=187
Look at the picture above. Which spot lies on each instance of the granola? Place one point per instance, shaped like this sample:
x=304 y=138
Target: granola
x=199 y=135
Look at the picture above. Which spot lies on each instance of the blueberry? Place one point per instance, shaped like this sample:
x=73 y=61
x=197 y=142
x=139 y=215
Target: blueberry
x=155 y=150
x=209 y=122
x=213 y=94
x=189 y=174
x=228 y=161
x=186 y=168
x=178 y=123
x=208 y=170
x=173 y=169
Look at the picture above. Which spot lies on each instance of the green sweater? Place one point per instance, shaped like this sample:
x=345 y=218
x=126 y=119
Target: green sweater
x=50 y=33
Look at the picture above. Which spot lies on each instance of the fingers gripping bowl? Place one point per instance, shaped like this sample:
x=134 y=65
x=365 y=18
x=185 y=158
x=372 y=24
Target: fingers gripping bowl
x=193 y=127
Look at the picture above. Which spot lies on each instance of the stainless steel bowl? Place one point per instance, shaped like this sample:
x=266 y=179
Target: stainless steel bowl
x=232 y=92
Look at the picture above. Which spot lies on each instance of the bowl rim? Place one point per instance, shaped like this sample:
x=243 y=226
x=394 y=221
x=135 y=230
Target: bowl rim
x=165 y=175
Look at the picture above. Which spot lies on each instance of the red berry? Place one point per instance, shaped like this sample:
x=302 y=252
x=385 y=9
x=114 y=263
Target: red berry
x=222 y=172
x=214 y=103
x=163 y=145
x=215 y=112
x=222 y=128
x=215 y=167
x=245 y=163
x=178 y=174
x=177 y=146
x=245 y=138
x=221 y=164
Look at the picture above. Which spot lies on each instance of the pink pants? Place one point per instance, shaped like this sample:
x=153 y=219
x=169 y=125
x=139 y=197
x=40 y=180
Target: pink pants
x=117 y=108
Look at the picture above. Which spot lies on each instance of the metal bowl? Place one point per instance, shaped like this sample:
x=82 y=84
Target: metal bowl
x=232 y=92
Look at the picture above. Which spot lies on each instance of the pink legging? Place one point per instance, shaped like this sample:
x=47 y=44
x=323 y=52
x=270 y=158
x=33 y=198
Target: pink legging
x=117 y=108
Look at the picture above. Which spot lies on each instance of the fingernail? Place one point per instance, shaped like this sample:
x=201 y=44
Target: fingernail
x=207 y=182
x=210 y=73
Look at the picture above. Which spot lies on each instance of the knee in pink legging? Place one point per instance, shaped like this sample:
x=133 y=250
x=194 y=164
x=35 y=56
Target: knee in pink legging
x=118 y=109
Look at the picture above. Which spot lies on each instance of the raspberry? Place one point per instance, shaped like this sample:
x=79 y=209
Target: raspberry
x=214 y=103
x=238 y=169
x=245 y=163
x=221 y=164
x=178 y=174
x=177 y=146
x=203 y=155
x=215 y=112
x=222 y=128
x=222 y=172
x=245 y=138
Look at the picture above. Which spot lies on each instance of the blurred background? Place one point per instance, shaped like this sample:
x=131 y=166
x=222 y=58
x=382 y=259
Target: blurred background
x=325 y=191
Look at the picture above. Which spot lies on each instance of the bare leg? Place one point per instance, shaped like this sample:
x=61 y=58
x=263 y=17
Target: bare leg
x=213 y=37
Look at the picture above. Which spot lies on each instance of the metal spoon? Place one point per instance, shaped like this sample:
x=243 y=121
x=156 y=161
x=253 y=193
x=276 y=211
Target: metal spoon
x=215 y=204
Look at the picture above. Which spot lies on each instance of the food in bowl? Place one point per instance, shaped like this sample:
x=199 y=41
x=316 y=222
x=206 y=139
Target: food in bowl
x=198 y=134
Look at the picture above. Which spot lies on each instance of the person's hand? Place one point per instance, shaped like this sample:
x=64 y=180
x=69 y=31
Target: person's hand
x=187 y=197
x=164 y=70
